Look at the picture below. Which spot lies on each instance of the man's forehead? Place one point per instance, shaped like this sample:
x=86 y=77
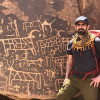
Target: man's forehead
x=81 y=22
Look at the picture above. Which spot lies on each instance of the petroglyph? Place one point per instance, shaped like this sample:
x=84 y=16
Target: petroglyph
x=43 y=27
x=25 y=44
x=36 y=62
x=21 y=76
x=32 y=52
x=1 y=30
x=2 y=21
x=1 y=65
x=30 y=35
x=44 y=24
x=58 y=64
x=59 y=43
x=28 y=25
x=50 y=74
x=29 y=61
x=58 y=83
x=12 y=25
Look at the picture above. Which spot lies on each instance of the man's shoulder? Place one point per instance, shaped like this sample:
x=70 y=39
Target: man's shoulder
x=97 y=40
x=70 y=43
x=97 y=43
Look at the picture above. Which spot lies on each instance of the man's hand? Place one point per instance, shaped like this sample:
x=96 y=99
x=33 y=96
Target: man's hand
x=95 y=81
x=65 y=80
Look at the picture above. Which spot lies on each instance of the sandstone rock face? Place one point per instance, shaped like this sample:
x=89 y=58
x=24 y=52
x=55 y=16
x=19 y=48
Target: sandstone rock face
x=33 y=39
x=91 y=9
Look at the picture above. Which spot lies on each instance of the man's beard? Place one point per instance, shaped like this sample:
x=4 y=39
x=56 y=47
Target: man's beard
x=82 y=32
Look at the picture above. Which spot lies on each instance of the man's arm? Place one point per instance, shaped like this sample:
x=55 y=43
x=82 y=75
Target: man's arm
x=96 y=80
x=68 y=67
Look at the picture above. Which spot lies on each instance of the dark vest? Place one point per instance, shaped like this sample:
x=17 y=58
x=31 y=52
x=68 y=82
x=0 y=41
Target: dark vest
x=84 y=61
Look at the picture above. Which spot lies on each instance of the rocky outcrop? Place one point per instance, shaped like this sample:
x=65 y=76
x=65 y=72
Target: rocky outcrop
x=33 y=39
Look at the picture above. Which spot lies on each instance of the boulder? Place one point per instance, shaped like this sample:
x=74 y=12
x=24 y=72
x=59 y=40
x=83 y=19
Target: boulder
x=33 y=38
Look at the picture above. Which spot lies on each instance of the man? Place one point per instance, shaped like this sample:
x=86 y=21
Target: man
x=81 y=64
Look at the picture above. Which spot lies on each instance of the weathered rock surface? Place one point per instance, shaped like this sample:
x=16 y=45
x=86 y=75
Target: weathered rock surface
x=33 y=39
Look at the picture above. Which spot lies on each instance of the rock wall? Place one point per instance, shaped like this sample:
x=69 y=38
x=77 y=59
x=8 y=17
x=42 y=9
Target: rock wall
x=33 y=39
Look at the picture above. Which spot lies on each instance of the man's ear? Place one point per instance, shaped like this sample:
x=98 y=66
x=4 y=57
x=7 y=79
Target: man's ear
x=75 y=27
x=88 y=27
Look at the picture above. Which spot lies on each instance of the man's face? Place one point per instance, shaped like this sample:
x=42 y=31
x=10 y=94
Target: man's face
x=82 y=28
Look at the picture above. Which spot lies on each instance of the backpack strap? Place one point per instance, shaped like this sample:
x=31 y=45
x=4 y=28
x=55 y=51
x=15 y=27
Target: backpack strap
x=94 y=53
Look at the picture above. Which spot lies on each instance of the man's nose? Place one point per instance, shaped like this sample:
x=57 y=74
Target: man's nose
x=80 y=26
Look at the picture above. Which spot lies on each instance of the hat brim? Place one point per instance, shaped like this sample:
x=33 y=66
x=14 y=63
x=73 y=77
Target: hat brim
x=81 y=21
